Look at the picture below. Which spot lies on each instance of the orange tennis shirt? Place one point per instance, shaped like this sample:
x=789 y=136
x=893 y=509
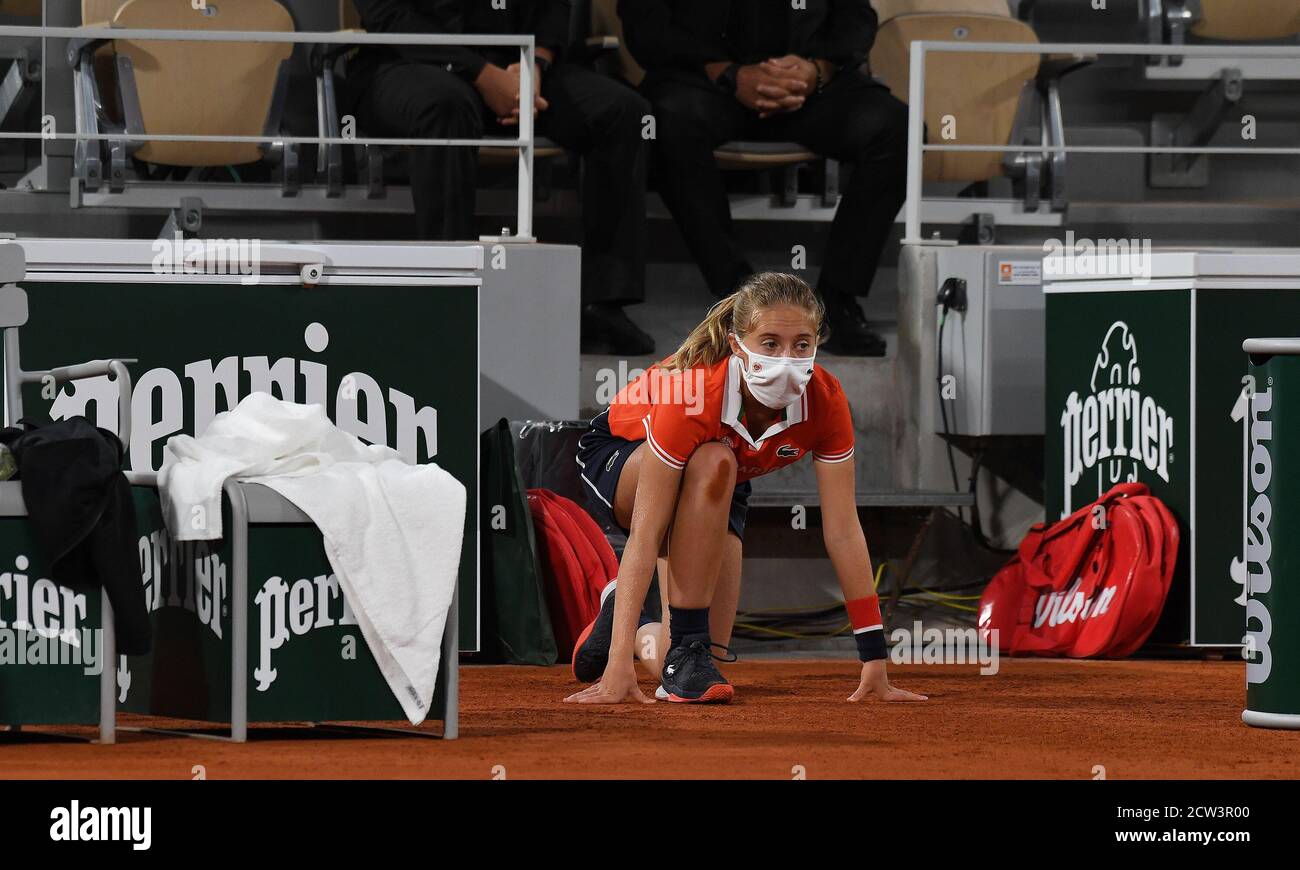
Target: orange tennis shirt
x=677 y=411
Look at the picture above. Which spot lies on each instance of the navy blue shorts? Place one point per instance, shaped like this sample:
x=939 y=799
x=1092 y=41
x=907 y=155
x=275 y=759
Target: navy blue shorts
x=601 y=455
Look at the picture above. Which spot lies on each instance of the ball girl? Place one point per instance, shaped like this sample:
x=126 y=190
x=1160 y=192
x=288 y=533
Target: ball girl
x=670 y=462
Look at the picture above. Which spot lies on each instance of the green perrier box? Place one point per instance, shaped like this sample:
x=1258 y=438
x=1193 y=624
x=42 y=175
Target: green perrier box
x=1144 y=383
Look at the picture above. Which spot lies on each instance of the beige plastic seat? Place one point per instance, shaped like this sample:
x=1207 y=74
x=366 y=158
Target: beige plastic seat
x=888 y=10
x=1248 y=20
x=605 y=24
x=99 y=13
x=199 y=88
x=972 y=96
x=349 y=17
x=543 y=149
x=21 y=8
x=761 y=155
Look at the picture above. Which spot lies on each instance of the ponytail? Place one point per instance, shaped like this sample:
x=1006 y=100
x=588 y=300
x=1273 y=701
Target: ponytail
x=708 y=345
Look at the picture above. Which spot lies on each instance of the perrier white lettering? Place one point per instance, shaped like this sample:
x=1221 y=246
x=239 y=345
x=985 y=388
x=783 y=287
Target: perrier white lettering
x=1116 y=423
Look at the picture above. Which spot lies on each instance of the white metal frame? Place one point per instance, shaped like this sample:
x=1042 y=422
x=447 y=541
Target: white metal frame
x=916 y=146
x=12 y=503
x=255 y=504
x=527 y=54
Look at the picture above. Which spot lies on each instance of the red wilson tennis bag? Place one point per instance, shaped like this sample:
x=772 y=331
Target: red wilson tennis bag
x=585 y=526
x=577 y=563
x=1091 y=585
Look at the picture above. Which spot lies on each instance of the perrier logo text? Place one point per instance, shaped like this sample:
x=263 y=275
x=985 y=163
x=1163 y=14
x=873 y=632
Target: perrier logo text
x=1114 y=429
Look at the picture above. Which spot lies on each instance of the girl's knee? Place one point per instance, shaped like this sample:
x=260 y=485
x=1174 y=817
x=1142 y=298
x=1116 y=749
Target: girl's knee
x=712 y=467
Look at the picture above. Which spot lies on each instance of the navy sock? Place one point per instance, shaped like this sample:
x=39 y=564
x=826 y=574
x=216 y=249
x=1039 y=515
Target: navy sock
x=686 y=621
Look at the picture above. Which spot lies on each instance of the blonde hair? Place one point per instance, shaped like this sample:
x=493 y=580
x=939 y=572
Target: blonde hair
x=707 y=344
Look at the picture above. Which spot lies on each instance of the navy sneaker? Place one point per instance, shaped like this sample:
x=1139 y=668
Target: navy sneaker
x=591 y=652
x=690 y=677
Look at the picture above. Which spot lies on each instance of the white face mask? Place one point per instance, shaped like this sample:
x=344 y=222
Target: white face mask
x=776 y=381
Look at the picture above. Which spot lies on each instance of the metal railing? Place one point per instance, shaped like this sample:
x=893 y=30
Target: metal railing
x=917 y=148
x=524 y=142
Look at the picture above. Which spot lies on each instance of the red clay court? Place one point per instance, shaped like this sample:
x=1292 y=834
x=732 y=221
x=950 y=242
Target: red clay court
x=1034 y=719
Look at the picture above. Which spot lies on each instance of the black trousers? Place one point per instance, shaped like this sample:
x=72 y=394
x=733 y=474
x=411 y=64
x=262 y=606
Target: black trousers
x=598 y=117
x=855 y=120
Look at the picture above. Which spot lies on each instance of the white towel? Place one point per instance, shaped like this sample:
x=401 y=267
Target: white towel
x=392 y=531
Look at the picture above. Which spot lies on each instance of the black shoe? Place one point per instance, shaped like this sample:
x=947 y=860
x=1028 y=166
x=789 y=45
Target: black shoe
x=850 y=335
x=606 y=329
x=690 y=677
x=591 y=652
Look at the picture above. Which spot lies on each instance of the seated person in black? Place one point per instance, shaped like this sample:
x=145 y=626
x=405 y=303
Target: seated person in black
x=458 y=92
x=719 y=70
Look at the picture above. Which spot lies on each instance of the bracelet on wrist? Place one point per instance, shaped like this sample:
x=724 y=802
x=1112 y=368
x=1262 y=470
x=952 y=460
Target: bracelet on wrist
x=821 y=79
x=728 y=79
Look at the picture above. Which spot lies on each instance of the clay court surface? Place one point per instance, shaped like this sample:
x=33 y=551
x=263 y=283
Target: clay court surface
x=1139 y=719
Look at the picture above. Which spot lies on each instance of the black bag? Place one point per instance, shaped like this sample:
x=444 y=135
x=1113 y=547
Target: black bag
x=547 y=451
x=516 y=626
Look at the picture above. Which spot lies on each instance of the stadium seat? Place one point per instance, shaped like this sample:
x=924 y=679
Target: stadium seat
x=1170 y=21
x=1235 y=21
x=887 y=10
x=99 y=13
x=349 y=17
x=156 y=84
x=980 y=92
x=608 y=27
x=985 y=99
x=21 y=9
